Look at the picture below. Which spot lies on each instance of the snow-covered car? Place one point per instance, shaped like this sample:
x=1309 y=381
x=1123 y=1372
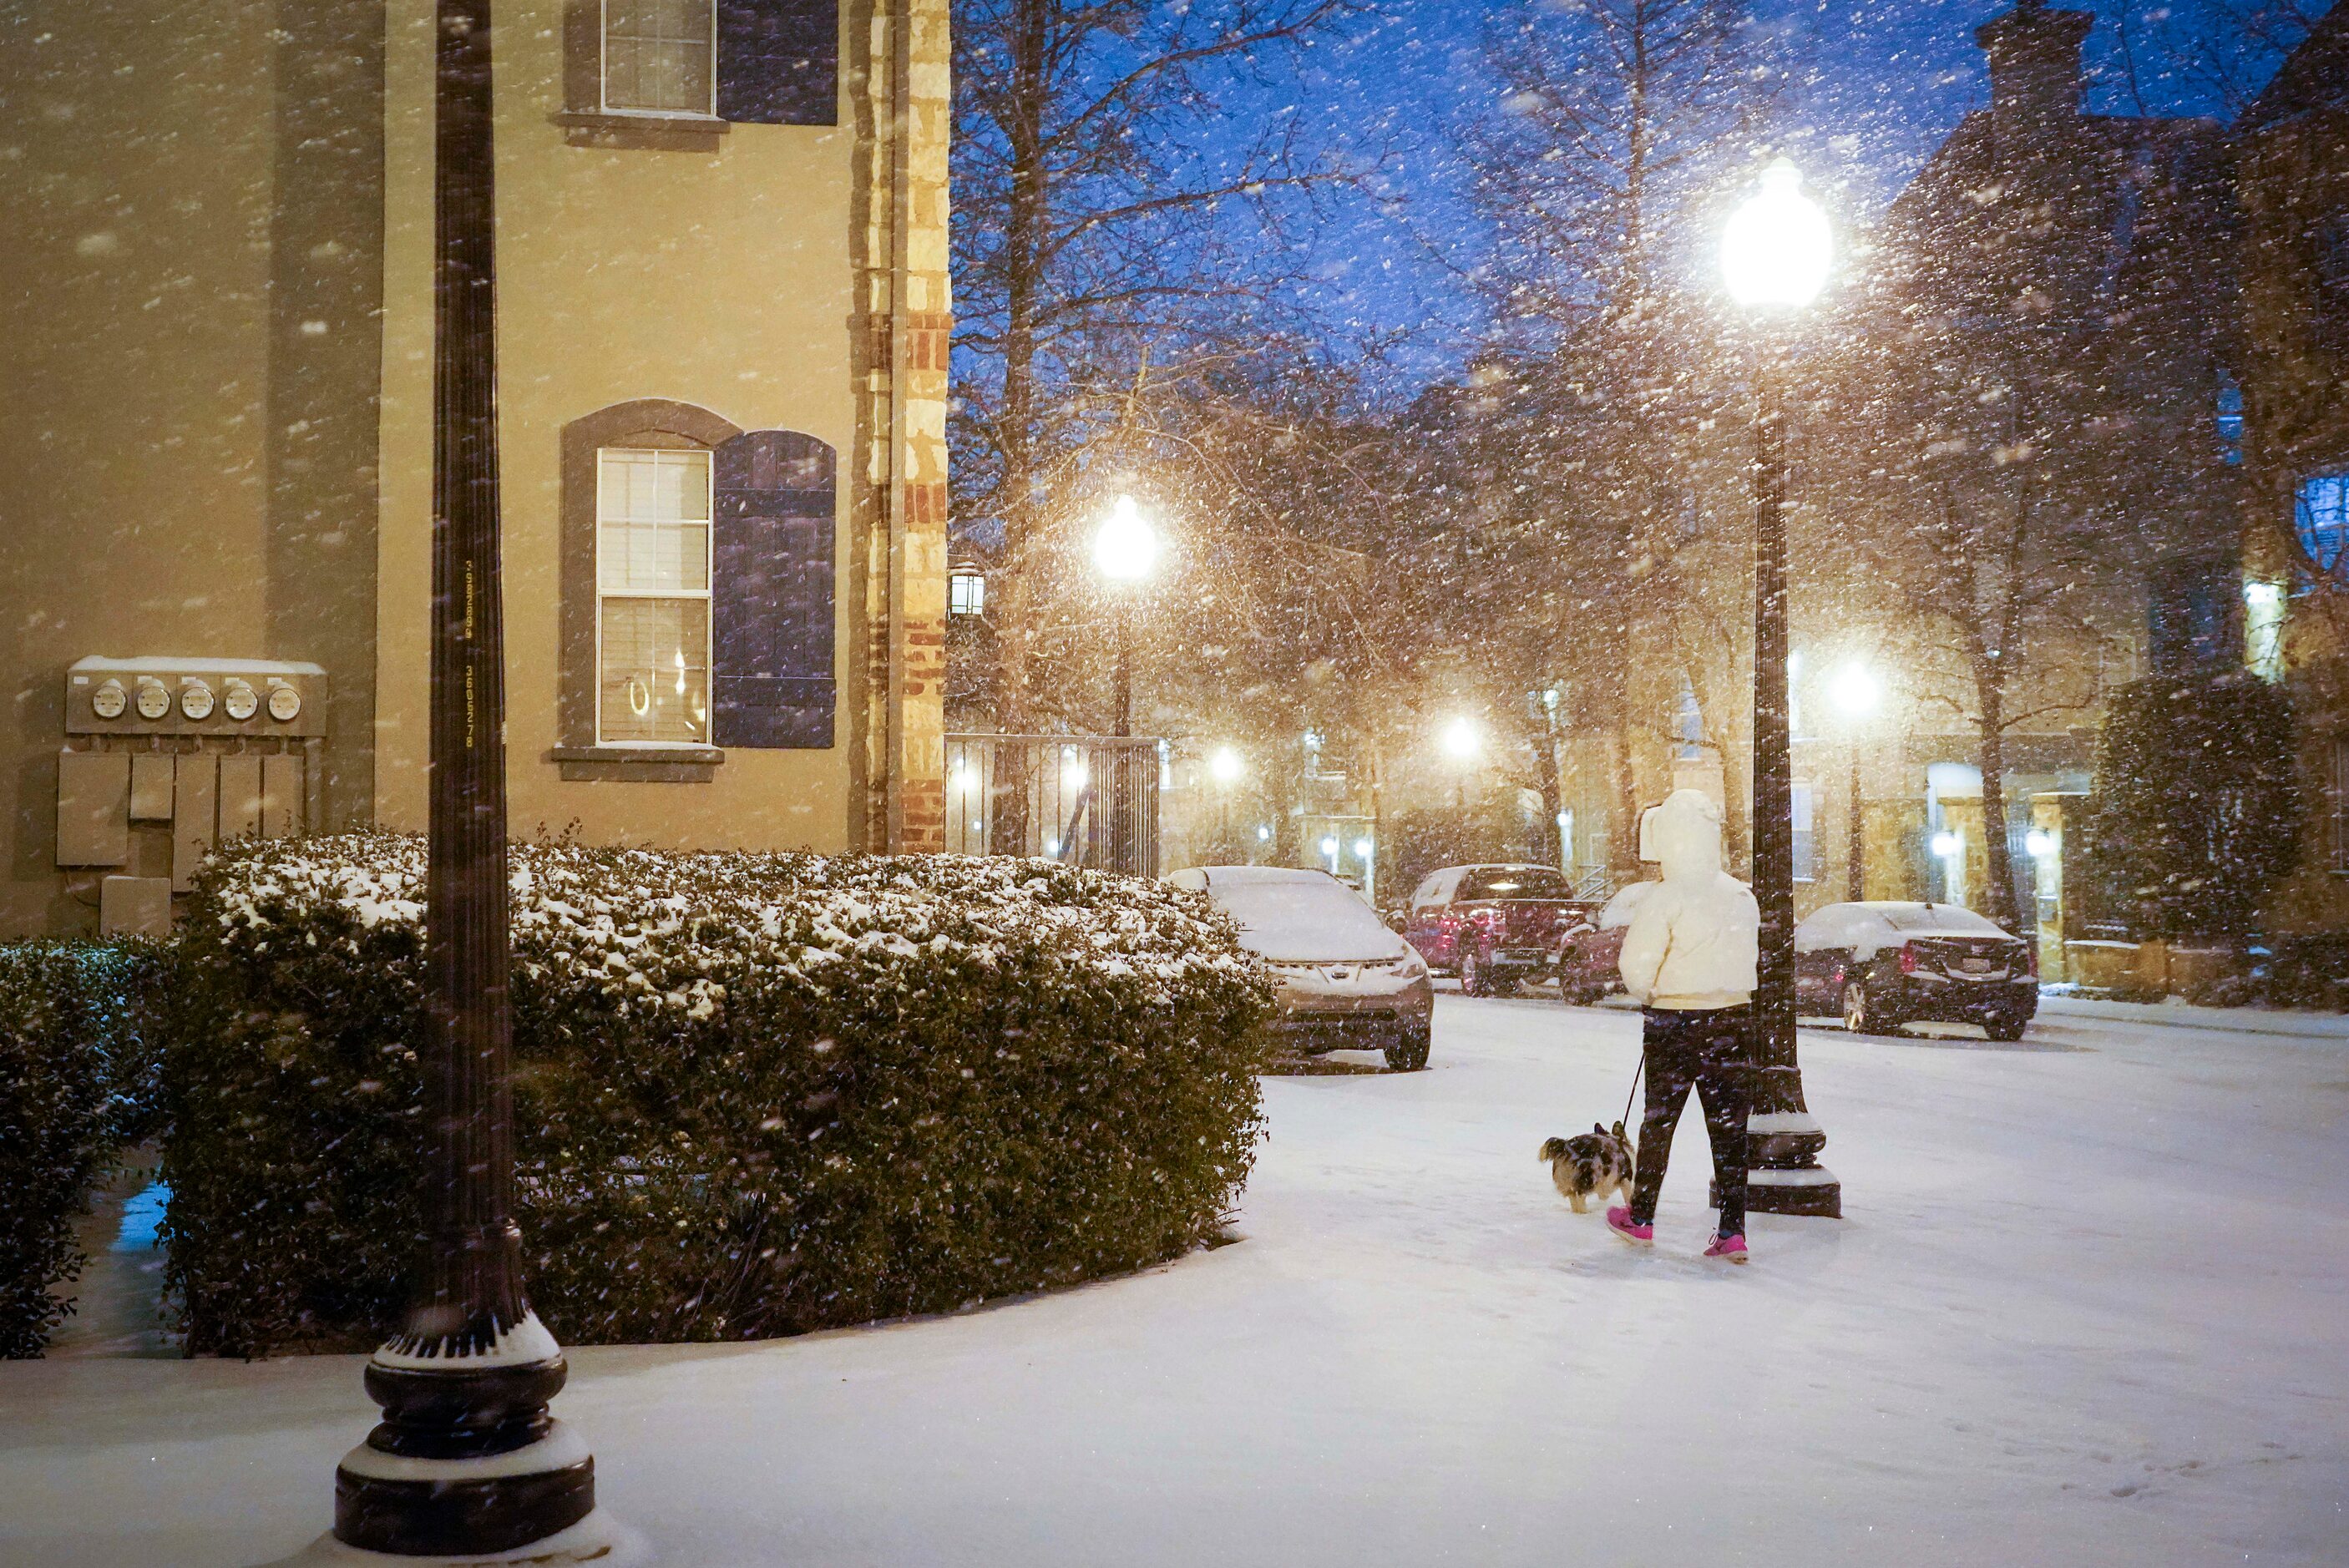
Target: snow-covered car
x=1884 y=965
x=1493 y=926
x=1346 y=982
x=1589 y=949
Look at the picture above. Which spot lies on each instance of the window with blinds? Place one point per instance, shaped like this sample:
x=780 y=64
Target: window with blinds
x=653 y=597
x=660 y=57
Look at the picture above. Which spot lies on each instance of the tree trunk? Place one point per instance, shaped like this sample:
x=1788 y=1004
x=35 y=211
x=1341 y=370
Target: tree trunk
x=1623 y=844
x=2002 y=904
x=1023 y=244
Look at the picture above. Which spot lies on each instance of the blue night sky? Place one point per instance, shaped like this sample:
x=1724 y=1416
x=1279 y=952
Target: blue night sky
x=1878 y=84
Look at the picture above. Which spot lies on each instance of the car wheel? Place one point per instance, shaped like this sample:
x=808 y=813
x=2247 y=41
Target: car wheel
x=1409 y=1052
x=2005 y=1028
x=1472 y=972
x=1858 y=1010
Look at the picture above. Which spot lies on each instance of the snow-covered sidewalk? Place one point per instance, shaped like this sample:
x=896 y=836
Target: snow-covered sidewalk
x=2086 y=1308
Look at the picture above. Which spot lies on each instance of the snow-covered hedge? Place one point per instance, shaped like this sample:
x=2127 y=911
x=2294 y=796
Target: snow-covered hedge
x=77 y=1082
x=755 y=1094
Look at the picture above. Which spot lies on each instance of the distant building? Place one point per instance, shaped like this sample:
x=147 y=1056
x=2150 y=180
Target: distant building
x=2293 y=179
x=2046 y=327
x=724 y=318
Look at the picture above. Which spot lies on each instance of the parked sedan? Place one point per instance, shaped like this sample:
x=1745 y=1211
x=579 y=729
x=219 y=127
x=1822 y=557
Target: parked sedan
x=1591 y=948
x=1885 y=964
x=1492 y=925
x=1346 y=981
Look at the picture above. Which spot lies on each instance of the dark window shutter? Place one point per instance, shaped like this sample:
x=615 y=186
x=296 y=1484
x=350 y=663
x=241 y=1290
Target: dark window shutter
x=779 y=61
x=772 y=569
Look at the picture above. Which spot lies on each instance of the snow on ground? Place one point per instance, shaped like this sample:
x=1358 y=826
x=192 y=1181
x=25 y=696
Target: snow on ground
x=2086 y=1309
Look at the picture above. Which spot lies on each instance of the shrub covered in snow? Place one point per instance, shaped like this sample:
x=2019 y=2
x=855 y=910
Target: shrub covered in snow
x=755 y=1094
x=76 y=1084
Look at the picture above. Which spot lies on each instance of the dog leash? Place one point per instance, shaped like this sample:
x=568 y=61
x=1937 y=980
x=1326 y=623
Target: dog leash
x=1635 y=1086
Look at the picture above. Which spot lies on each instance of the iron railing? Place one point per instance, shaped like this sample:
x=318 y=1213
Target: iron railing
x=1088 y=800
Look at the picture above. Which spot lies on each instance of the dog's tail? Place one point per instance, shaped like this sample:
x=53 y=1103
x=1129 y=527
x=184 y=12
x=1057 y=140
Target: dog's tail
x=1553 y=1150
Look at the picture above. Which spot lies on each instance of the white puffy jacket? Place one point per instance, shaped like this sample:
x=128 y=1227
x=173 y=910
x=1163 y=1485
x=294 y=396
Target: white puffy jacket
x=1694 y=941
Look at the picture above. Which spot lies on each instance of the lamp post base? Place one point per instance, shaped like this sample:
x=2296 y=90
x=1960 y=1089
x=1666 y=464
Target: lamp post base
x=1814 y=1192
x=598 y=1539
x=1783 y=1175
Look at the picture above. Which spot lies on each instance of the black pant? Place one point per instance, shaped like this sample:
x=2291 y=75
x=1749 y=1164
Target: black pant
x=1707 y=1051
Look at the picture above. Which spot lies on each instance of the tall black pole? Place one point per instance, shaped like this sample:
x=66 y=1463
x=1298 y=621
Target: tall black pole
x=1786 y=1177
x=1859 y=831
x=467 y=1459
x=1124 y=667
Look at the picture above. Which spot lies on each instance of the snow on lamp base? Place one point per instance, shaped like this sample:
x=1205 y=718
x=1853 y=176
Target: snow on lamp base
x=1784 y=1176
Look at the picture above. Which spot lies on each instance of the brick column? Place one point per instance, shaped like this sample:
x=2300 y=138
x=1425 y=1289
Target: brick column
x=906 y=109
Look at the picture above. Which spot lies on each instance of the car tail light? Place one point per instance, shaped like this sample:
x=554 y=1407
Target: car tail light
x=2031 y=953
x=1907 y=958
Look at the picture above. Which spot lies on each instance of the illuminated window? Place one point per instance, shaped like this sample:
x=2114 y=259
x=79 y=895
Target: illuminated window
x=965 y=594
x=652 y=572
x=2263 y=618
x=2229 y=419
x=660 y=57
x=2320 y=519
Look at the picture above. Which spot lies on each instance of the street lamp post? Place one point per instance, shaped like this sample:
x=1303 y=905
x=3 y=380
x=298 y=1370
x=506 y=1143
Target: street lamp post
x=1225 y=766
x=1461 y=743
x=1774 y=259
x=467 y=1461
x=1125 y=550
x=1854 y=692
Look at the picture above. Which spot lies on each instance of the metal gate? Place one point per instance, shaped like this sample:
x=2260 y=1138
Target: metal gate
x=1087 y=799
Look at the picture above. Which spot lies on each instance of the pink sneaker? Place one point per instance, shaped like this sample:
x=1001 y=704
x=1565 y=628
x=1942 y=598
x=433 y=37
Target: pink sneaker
x=1619 y=1220
x=1730 y=1247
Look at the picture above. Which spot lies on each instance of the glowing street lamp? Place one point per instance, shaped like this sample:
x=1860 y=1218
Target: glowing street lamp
x=1225 y=766
x=1777 y=247
x=1775 y=257
x=1855 y=692
x=1125 y=548
x=1460 y=740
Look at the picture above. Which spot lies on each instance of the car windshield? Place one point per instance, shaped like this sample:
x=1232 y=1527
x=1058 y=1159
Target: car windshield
x=1308 y=921
x=1940 y=919
x=1516 y=882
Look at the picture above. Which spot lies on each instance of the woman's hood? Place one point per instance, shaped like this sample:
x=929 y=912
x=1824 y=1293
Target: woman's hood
x=1684 y=835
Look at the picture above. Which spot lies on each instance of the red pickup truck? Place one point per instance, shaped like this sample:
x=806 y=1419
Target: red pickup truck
x=1494 y=926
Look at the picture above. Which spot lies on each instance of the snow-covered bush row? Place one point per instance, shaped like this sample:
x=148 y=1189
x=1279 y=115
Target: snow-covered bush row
x=755 y=1094
x=76 y=1084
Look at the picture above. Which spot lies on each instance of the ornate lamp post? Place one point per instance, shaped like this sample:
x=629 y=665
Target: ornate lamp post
x=1855 y=692
x=1774 y=259
x=1125 y=550
x=467 y=1461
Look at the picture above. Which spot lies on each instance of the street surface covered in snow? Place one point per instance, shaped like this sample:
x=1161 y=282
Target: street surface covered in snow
x=2087 y=1307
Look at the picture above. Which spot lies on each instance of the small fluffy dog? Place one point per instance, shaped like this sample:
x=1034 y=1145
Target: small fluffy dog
x=1590 y=1164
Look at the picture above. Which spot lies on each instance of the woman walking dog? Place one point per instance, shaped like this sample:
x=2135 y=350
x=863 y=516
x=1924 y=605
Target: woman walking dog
x=1689 y=960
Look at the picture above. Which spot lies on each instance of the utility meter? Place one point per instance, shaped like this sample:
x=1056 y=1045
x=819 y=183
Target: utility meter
x=153 y=696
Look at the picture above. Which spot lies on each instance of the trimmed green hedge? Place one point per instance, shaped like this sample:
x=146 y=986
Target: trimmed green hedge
x=755 y=1094
x=77 y=1083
